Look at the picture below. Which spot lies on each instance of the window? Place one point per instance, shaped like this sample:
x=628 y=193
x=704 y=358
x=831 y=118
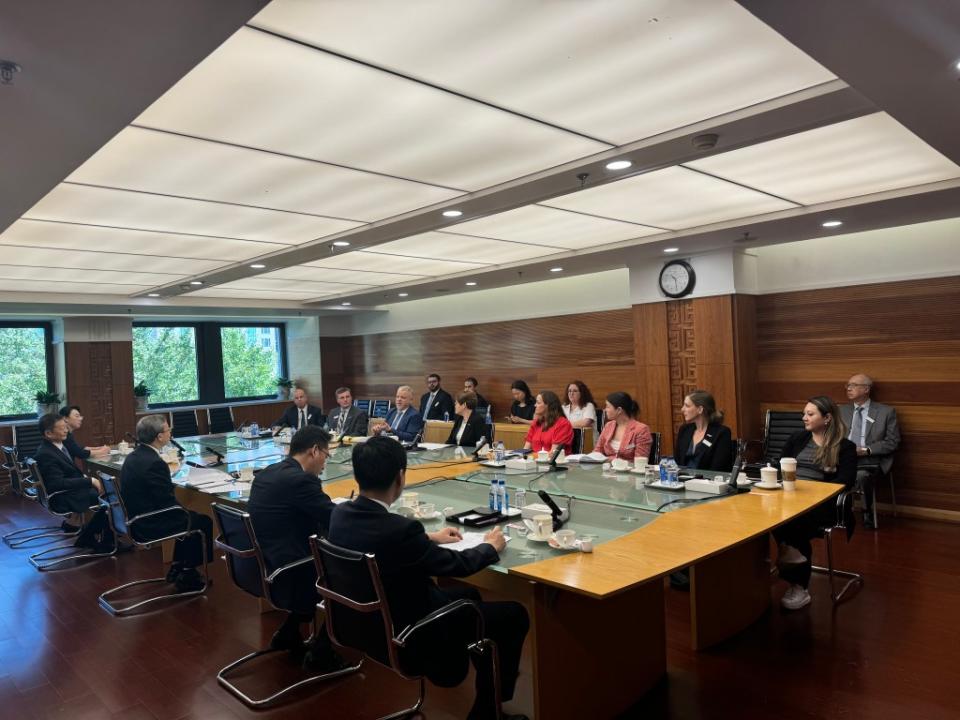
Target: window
x=252 y=361
x=165 y=358
x=204 y=363
x=27 y=362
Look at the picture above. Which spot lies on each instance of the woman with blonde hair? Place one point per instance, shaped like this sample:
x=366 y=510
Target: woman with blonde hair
x=824 y=454
x=703 y=441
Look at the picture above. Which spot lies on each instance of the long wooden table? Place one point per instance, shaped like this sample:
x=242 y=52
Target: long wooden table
x=597 y=635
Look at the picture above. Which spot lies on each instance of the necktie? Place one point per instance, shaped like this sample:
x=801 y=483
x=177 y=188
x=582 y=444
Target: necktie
x=66 y=452
x=303 y=419
x=856 y=428
x=340 y=421
x=426 y=410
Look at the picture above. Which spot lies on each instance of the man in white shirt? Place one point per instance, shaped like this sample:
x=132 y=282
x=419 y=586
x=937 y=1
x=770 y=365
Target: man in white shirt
x=301 y=413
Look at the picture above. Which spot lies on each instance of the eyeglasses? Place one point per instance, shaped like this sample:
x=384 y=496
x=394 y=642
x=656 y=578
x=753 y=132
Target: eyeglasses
x=850 y=386
x=325 y=451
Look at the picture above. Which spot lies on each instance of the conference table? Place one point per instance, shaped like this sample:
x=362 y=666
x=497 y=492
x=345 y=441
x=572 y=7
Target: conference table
x=597 y=638
x=512 y=435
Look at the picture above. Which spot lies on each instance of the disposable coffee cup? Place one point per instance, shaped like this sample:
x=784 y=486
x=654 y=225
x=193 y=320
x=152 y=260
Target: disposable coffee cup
x=788 y=466
x=789 y=485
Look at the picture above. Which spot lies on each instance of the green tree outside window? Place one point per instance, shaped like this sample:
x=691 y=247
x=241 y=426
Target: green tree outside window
x=23 y=357
x=165 y=358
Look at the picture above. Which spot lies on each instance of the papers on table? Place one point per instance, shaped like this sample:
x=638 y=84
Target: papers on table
x=433 y=446
x=593 y=457
x=470 y=540
x=198 y=477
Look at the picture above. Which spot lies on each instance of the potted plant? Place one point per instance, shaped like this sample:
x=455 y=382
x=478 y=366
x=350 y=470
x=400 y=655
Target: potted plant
x=140 y=393
x=283 y=388
x=47 y=402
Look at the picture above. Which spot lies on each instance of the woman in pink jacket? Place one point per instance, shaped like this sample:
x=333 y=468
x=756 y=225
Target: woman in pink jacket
x=623 y=436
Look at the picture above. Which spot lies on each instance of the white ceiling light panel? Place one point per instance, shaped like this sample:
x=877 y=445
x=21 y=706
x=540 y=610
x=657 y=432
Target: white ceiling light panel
x=547 y=226
x=92 y=260
x=303 y=288
x=619 y=70
x=41 y=285
x=223 y=291
x=66 y=274
x=856 y=157
x=279 y=95
x=347 y=278
x=450 y=246
x=396 y=263
x=58 y=235
x=674 y=198
x=149 y=161
x=126 y=209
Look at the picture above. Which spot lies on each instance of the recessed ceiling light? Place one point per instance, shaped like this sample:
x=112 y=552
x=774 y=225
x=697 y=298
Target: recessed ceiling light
x=619 y=165
x=345 y=304
x=671 y=250
x=196 y=282
x=452 y=213
x=341 y=243
x=832 y=223
x=153 y=294
x=471 y=283
x=403 y=294
x=258 y=266
x=556 y=269
x=957 y=65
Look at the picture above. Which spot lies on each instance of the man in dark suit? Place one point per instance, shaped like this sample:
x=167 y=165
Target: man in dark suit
x=409 y=558
x=874 y=429
x=436 y=402
x=301 y=413
x=71 y=413
x=347 y=419
x=145 y=486
x=80 y=493
x=403 y=421
x=287 y=505
x=470 y=384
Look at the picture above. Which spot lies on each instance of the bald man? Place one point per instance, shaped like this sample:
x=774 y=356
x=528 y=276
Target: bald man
x=873 y=428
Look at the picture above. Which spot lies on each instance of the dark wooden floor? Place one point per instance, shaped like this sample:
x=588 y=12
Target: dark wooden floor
x=891 y=652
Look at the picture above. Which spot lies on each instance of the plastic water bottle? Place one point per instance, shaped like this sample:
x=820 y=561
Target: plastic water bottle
x=488 y=421
x=520 y=499
x=499 y=453
x=494 y=492
x=672 y=471
x=446 y=416
x=254 y=430
x=504 y=499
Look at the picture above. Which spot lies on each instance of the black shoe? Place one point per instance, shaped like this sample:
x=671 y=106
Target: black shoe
x=189 y=580
x=174 y=572
x=86 y=539
x=288 y=638
x=68 y=528
x=868 y=523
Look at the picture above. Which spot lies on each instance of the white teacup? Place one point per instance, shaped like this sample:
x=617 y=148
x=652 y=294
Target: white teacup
x=543 y=456
x=640 y=464
x=426 y=510
x=409 y=499
x=405 y=511
x=540 y=526
x=620 y=465
x=565 y=538
x=768 y=476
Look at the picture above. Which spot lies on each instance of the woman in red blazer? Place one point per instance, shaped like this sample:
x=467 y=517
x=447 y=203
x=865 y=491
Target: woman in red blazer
x=550 y=426
x=623 y=436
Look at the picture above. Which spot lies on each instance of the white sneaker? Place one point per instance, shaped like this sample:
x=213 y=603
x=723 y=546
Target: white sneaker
x=789 y=555
x=795 y=598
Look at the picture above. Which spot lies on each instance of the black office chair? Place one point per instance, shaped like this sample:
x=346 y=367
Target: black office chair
x=844 y=523
x=365 y=405
x=654 y=457
x=183 y=423
x=577 y=444
x=220 y=420
x=358 y=616
x=26 y=438
x=248 y=570
x=601 y=420
x=778 y=427
x=121 y=523
x=17 y=472
x=380 y=408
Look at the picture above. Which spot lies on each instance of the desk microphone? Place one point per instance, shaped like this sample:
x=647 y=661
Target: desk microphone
x=415 y=442
x=483 y=443
x=555 y=511
x=219 y=456
x=178 y=446
x=280 y=428
x=553 y=460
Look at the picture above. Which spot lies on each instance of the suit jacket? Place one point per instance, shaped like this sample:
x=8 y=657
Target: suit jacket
x=75 y=449
x=59 y=473
x=714 y=452
x=407 y=558
x=883 y=434
x=315 y=416
x=145 y=485
x=476 y=429
x=636 y=441
x=355 y=422
x=410 y=424
x=442 y=403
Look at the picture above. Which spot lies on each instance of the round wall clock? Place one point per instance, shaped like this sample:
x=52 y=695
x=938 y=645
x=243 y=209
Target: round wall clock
x=677 y=279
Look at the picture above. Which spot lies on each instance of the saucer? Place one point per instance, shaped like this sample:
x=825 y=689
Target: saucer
x=533 y=538
x=638 y=472
x=552 y=542
x=778 y=486
x=435 y=515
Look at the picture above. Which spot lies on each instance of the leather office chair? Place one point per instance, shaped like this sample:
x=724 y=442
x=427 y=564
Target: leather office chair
x=778 y=427
x=578 y=440
x=220 y=420
x=358 y=616
x=365 y=405
x=52 y=557
x=845 y=524
x=248 y=570
x=121 y=523
x=380 y=408
x=16 y=471
x=654 y=457
x=184 y=423
x=26 y=438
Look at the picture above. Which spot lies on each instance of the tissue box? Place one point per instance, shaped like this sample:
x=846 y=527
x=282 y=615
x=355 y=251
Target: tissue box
x=706 y=486
x=521 y=464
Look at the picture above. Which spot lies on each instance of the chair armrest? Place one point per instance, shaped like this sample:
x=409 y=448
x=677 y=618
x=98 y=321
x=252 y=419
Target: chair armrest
x=230 y=550
x=289 y=566
x=843 y=498
x=457 y=605
x=152 y=513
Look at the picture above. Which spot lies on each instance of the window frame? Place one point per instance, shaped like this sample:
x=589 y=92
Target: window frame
x=47 y=328
x=210 y=377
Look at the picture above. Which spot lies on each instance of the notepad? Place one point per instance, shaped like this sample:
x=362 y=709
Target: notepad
x=470 y=540
x=593 y=457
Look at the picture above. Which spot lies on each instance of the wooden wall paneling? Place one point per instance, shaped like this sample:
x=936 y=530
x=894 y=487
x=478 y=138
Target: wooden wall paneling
x=652 y=360
x=124 y=404
x=331 y=370
x=681 y=347
x=715 y=354
x=749 y=420
x=906 y=335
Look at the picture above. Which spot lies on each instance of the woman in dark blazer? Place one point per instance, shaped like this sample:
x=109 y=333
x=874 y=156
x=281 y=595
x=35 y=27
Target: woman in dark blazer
x=469 y=427
x=703 y=442
x=824 y=454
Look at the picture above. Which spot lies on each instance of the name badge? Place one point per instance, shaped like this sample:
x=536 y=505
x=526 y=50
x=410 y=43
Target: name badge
x=869 y=419
x=707 y=442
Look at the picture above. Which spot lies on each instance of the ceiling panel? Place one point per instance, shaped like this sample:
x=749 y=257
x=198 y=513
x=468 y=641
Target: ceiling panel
x=396 y=263
x=551 y=227
x=619 y=70
x=279 y=95
x=865 y=155
x=72 y=288
x=92 y=260
x=158 y=162
x=338 y=275
x=450 y=246
x=120 y=208
x=59 y=235
x=304 y=288
x=66 y=274
x=251 y=294
x=674 y=198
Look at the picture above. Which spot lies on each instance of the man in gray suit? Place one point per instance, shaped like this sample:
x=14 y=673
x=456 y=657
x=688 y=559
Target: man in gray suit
x=875 y=432
x=347 y=419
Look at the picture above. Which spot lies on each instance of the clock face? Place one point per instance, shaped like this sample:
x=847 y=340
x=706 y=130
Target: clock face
x=677 y=279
